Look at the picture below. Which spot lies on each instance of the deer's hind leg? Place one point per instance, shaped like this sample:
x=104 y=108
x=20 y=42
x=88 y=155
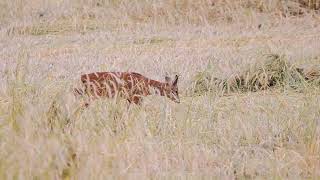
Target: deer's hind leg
x=91 y=94
x=135 y=99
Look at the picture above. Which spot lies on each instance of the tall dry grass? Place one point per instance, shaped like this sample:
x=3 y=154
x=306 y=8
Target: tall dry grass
x=54 y=17
x=46 y=45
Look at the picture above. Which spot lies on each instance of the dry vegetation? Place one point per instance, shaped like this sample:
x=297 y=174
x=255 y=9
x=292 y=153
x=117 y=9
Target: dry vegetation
x=261 y=120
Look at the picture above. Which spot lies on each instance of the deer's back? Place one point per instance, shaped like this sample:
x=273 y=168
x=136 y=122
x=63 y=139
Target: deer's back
x=103 y=82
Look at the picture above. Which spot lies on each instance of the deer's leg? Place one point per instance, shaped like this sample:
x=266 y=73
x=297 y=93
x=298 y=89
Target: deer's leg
x=82 y=94
x=85 y=103
x=136 y=100
x=86 y=97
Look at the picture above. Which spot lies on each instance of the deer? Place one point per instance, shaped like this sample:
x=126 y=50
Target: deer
x=131 y=86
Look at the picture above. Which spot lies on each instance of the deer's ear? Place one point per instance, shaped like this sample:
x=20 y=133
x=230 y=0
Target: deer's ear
x=175 y=81
x=168 y=79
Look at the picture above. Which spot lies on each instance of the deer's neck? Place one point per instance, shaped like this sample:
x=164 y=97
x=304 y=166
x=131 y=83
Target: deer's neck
x=159 y=87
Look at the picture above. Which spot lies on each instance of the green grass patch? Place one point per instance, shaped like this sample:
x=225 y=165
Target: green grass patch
x=59 y=26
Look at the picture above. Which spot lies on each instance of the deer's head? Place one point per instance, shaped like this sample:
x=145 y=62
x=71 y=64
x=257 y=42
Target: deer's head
x=171 y=88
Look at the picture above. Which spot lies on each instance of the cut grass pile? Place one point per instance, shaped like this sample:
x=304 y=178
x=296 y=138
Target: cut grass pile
x=275 y=71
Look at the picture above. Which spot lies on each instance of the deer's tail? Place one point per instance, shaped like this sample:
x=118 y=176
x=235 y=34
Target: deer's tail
x=78 y=92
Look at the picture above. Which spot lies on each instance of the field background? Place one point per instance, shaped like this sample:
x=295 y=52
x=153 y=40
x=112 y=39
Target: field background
x=45 y=45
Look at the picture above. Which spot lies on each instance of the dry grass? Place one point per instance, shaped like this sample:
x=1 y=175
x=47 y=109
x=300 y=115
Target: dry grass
x=274 y=72
x=252 y=131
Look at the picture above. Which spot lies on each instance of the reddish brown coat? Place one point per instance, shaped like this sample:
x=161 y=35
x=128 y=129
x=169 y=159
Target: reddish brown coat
x=129 y=85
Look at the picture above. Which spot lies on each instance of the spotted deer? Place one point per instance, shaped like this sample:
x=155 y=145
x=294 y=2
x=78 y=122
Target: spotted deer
x=129 y=85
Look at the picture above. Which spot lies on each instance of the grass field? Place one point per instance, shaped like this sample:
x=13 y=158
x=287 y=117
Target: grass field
x=45 y=45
